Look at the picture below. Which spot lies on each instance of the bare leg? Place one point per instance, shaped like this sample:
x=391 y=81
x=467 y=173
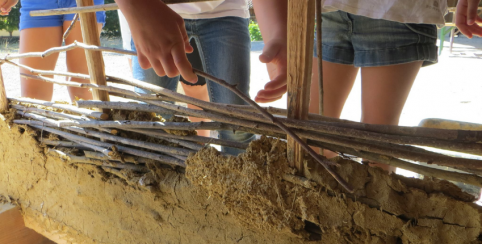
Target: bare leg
x=384 y=93
x=36 y=40
x=199 y=92
x=76 y=62
x=338 y=80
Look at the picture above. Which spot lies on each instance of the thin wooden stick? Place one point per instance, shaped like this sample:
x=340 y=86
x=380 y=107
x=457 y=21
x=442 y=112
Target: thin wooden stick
x=65 y=48
x=138 y=168
x=458 y=135
x=307 y=125
x=44 y=120
x=55 y=115
x=398 y=151
x=473 y=148
x=66 y=107
x=202 y=139
x=85 y=160
x=123 y=124
x=147 y=145
x=67 y=32
x=47 y=113
x=126 y=159
x=74 y=10
x=383 y=149
x=387 y=129
x=97 y=8
x=329 y=129
x=325 y=163
x=69 y=157
x=135 y=152
x=48 y=72
x=3 y=95
x=423 y=170
x=395 y=150
x=62 y=144
x=170 y=138
x=105 y=151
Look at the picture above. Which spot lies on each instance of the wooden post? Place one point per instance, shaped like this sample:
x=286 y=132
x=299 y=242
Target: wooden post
x=3 y=95
x=319 y=53
x=301 y=24
x=95 y=62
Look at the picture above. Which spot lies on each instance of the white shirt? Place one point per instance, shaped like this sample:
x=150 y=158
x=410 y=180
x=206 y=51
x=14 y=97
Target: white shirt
x=405 y=11
x=212 y=9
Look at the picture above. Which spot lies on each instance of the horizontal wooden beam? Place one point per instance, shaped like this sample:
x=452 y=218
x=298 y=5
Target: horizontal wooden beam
x=96 y=8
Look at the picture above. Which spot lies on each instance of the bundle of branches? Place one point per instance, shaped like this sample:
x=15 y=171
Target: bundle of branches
x=393 y=145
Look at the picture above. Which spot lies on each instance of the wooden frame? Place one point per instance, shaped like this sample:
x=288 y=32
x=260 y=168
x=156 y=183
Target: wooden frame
x=301 y=24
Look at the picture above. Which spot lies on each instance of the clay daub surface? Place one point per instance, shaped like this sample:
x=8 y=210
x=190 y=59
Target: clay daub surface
x=220 y=199
x=384 y=209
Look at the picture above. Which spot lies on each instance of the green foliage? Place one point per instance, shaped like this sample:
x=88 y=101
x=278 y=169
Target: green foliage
x=112 y=26
x=10 y=22
x=254 y=32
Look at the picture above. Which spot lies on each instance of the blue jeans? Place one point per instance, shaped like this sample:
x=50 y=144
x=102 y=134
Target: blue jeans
x=223 y=48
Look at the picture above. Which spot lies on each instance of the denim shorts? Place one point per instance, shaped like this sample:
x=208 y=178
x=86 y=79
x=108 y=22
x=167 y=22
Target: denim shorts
x=27 y=21
x=366 y=42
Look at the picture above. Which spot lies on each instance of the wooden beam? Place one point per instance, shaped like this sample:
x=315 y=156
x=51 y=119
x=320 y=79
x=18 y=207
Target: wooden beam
x=3 y=94
x=95 y=62
x=13 y=230
x=96 y=8
x=319 y=53
x=301 y=24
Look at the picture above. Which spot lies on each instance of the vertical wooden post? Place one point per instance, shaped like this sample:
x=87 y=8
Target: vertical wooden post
x=95 y=62
x=319 y=53
x=3 y=94
x=301 y=24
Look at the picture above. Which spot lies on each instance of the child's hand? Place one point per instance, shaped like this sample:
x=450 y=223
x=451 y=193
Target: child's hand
x=7 y=6
x=275 y=55
x=466 y=18
x=160 y=37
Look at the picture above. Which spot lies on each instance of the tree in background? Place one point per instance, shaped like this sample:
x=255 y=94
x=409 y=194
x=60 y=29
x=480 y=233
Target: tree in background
x=112 y=26
x=10 y=22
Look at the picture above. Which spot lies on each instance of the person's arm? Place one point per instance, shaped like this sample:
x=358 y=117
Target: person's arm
x=160 y=37
x=7 y=6
x=272 y=16
x=466 y=18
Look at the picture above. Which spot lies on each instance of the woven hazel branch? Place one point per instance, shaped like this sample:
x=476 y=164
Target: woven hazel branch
x=66 y=107
x=376 y=140
x=328 y=124
x=86 y=141
x=173 y=151
x=105 y=163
